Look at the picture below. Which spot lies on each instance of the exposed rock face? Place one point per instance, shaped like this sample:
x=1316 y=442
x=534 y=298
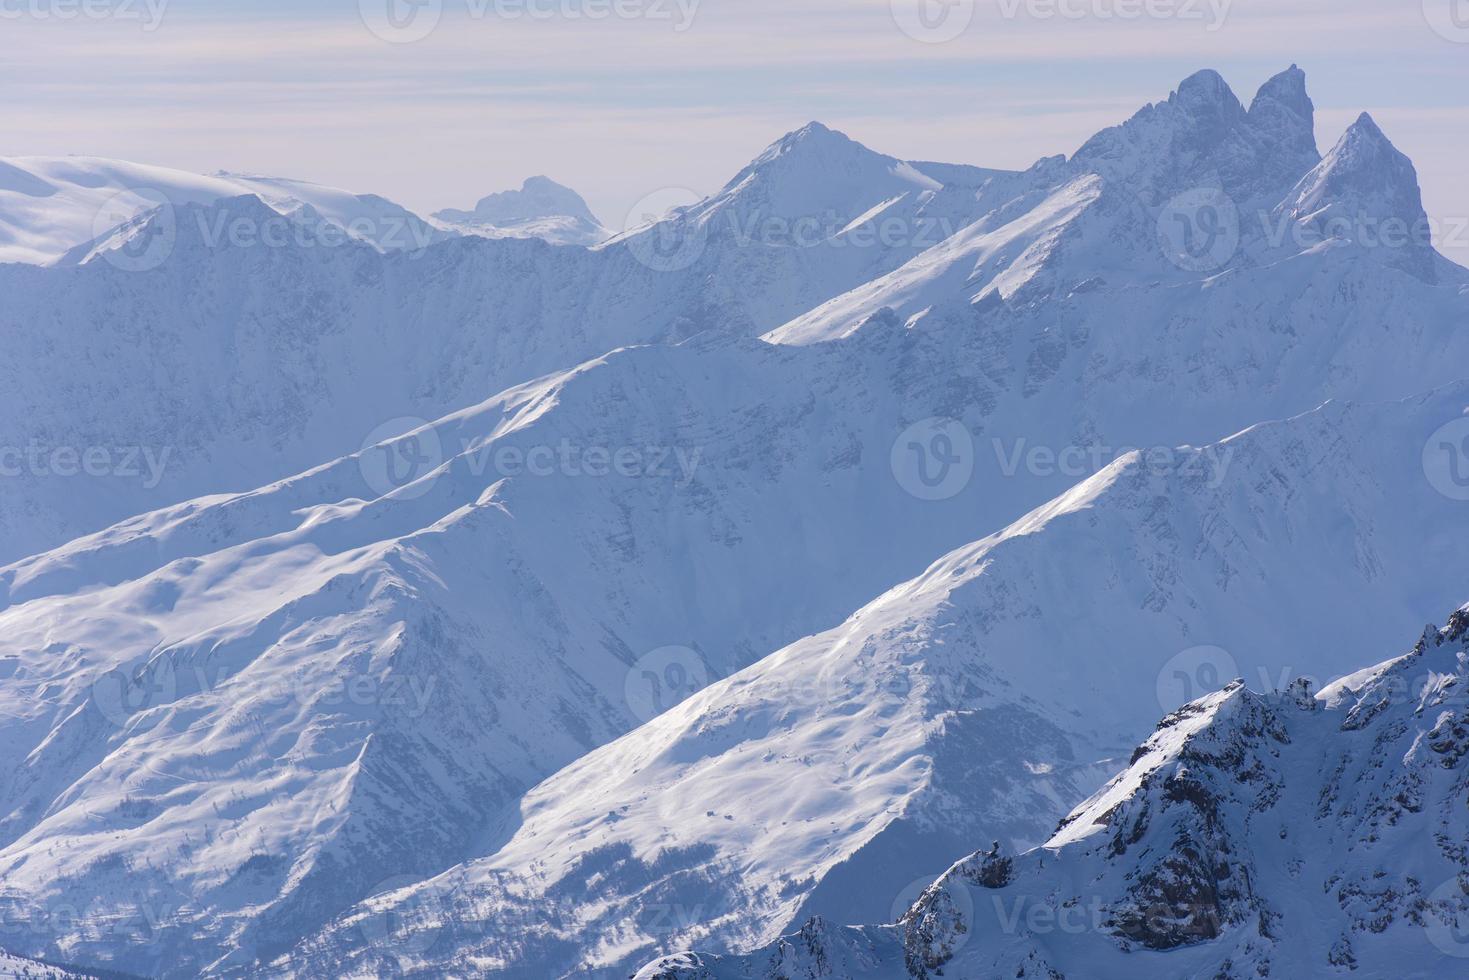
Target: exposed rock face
x=1252 y=836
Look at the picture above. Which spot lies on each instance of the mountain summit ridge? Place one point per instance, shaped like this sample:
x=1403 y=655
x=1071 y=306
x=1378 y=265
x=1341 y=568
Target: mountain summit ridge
x=777 y=438
x=1285 y=834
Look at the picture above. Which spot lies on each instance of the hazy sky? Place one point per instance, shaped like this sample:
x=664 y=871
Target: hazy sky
x=620 y=98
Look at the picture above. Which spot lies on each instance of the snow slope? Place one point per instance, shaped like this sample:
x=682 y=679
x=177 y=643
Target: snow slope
x=236 y=345
x=981 y=700
x=403 y=593
x=22 y=968
x=1253 y=835
x=52 y=205
x=541 y=208
x=237 y=361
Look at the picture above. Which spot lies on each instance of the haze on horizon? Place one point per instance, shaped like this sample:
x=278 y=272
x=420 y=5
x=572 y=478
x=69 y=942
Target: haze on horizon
x=449 y=100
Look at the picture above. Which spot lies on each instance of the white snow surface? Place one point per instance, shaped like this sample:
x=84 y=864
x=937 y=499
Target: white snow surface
x=1252 y=835
x=50 y=206
x=980 y=700
x=225 y=362
x=14 y=967
x=345 y=652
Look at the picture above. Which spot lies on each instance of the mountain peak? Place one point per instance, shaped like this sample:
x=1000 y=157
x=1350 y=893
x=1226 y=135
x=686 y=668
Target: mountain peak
x=538 y=197
x=1366 y=130
x=812 y=138
x=1200 y=136
x=1365 y=190
x=543 y=184
x=1205 y=85
x=1207 y=96
x=818 y=171
x=1283 y=118
x=541 y=208
x=1287 y=90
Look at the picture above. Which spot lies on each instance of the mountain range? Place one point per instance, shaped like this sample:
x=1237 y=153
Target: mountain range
x=1287 y=834
x=820 y=531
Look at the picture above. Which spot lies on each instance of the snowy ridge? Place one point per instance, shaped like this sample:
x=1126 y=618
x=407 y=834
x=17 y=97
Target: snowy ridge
x=1187 y=193
x=184 y=328
x=1274 y=835
x=288 y=699
x=1366 y=191
x=51 y=206
x=818 y=203
x=1013 y=253
x=1202 y=134
x=14 y=967
x=820 y=779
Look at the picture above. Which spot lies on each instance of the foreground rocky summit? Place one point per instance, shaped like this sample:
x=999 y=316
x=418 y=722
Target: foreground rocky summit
x=1283 y=835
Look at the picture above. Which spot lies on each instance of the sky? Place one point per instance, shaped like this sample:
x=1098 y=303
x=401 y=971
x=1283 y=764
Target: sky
x=435 y=103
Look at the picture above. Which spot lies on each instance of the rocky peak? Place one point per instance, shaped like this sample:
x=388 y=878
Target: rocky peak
x=1207 y=97
x=1365 y=192
x=1203 y=136
x=1251 y=836
x=539 y=197
x=1283 y=113
x=1286 y=91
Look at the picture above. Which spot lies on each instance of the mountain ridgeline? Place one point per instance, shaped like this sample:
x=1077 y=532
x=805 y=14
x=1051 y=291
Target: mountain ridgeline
x=498 y=603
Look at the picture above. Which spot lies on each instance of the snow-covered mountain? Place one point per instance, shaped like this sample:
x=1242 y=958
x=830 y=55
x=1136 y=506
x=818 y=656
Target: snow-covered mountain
x=264 y=344
x=981 y=700
x=541 y=208
x=255 y=614
x=816 y=187
x=52 y=208
x=1167 y=215
x=217 y=345
x=234 y=718
x=1277 y=834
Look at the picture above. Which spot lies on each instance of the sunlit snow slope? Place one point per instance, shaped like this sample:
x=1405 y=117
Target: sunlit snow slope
x=1275 y=834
